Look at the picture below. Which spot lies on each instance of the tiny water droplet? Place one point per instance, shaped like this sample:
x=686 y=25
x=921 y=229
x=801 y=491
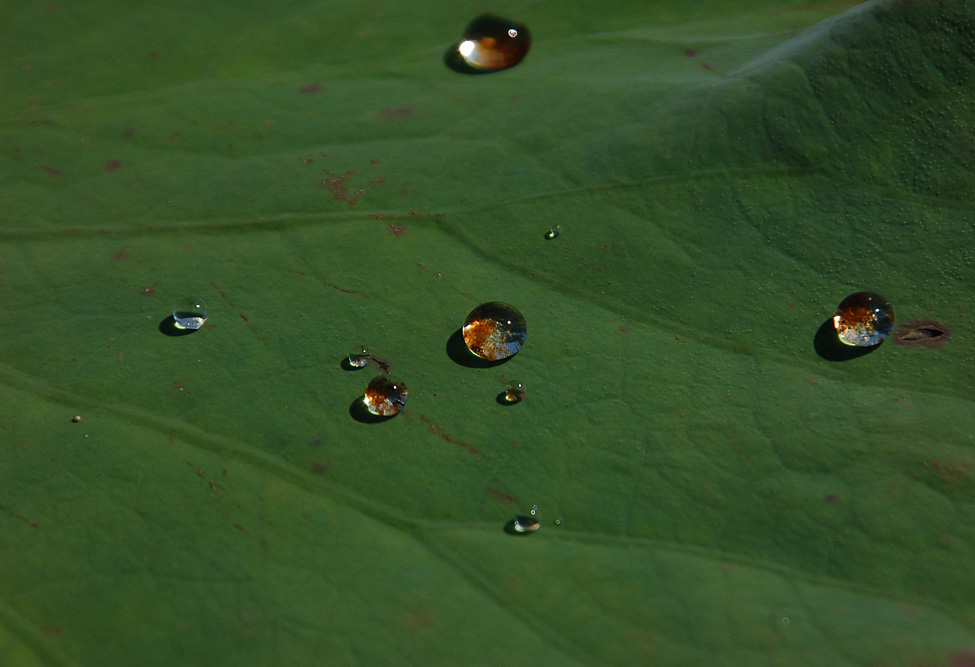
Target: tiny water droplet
x=385 y=397
x=525 y=524
x=495 y=331
x=534 y=509
x=359 y=357
x=491 y=43
x=190 y=313
x=558 y=522
x=514 y=393
x=554 y=232
x=863 y=319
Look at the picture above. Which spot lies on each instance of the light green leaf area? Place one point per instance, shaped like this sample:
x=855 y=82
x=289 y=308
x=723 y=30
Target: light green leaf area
x=713 y=488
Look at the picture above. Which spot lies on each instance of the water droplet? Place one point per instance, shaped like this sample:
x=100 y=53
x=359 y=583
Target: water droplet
x=554 y=232
x=495 y=331
x=525 y=524
x=385 y=397
x=558 y=522
x=359 y=357
x=863 y=319
x=492 y=43
x=534 y=510
x=76 y=419
x=190 y=313
x=514 y=393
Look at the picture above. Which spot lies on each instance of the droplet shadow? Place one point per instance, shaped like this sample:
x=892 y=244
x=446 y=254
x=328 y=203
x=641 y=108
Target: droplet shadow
x=359 y=412
x=459 y=353
x=829 y=346
x=168 y=328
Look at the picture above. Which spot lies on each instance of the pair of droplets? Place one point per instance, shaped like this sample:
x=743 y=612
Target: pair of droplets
x=493 y=331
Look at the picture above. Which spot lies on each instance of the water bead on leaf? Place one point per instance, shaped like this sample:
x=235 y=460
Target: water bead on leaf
x=492 y=43
x=385 y=397
x=495 y=331
x=359 y=357
x=863 y=319
x=190 y=313
x=514 y=393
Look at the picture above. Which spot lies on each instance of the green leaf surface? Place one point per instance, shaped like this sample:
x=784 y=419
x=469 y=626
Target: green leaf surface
x=713 y=488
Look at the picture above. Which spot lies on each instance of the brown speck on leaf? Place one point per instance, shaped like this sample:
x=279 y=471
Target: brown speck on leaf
x=149 y=289
x=310 y=88
x=336 y=184
x=690 y=53
x=120 y=255
x=319 y=468
x=397 y=230
x=376 y=216
x=128 y=132
x=52 y=172
x=112 y=165
x=927 y=333
x=404 y=111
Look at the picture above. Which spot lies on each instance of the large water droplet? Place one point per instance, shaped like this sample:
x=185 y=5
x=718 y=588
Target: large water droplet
x=863 y=319
x=553 y=233
x=385 y=397
x=495 y=331
x=190 y=313
x=492 y=43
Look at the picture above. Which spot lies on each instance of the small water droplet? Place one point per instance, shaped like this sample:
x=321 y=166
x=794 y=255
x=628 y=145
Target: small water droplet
x=385 y=397
x=514 y=393
x=554 y=232
x=76 y=419
x=491 y=43
x=495 y=331
x=558 y=522
x=534 y=510
x=525 y=524
x=863 y=319
x=190 y=313
x=359 y=357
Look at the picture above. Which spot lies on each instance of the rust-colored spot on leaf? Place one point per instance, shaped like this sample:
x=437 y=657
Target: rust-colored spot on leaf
x=927 y=333
x=112 y=165
x=52 y=172
x=310 y=88
x=404 y=111
x=504 y=497
x=397 y=230
x=336 y=184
